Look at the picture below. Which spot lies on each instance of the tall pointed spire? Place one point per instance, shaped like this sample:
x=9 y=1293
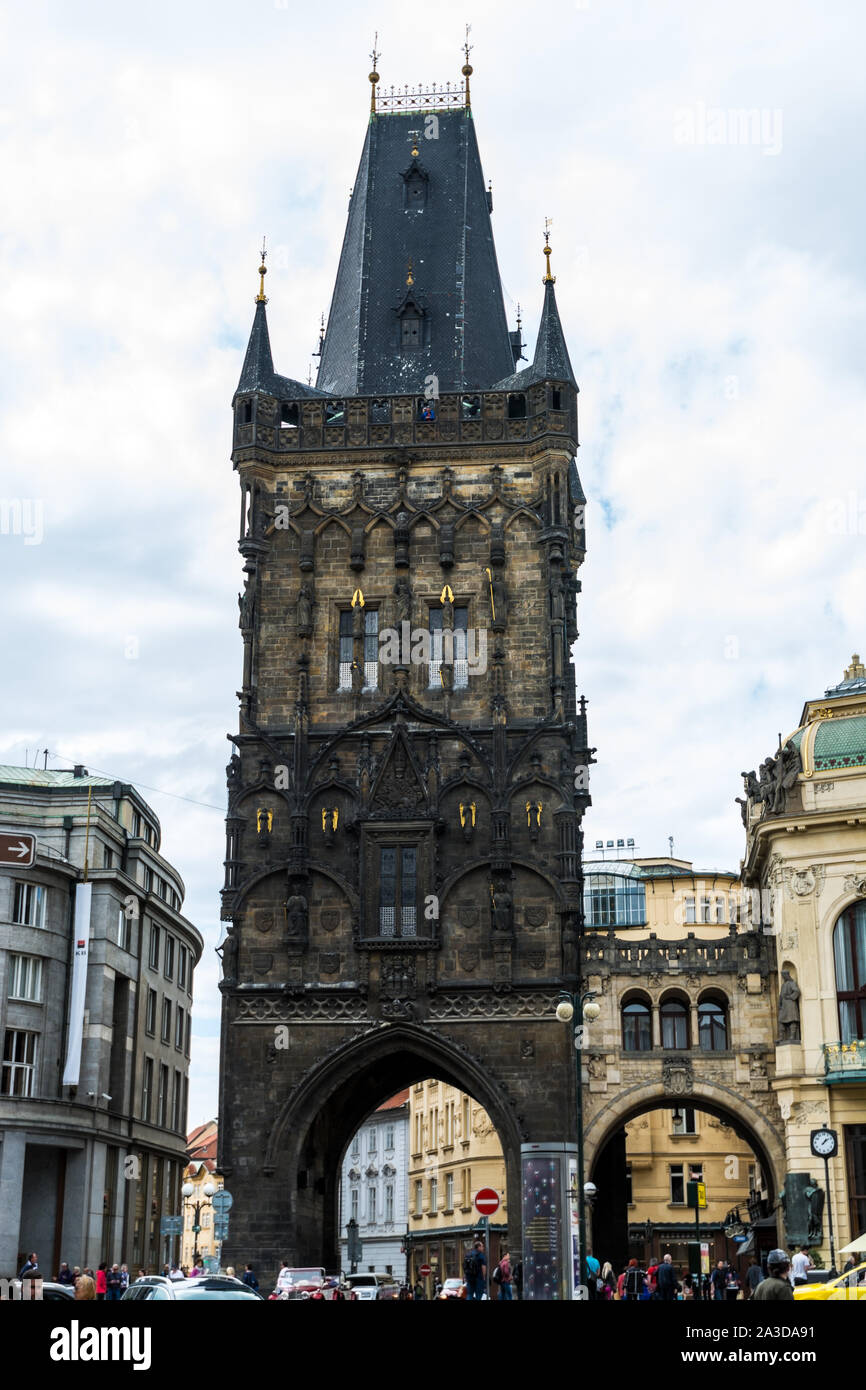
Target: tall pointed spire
x=551 y=361
x=257 y=373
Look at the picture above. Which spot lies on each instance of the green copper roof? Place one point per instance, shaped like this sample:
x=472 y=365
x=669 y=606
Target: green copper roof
x=51 y=777
x=840 y=743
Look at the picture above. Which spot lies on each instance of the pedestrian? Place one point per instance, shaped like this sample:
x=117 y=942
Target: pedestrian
x=114 y=1283
x=593 y=1275
x=850 y=1263
x=632 y=1282
x=475 y=1272
x=688 y=1286
x=338 y=1296
x=230 y=1272
x=65 y=1275
x=608 y=1279
x=30 y=1267
x=85 y=1287
x=801 y=1264
x=732 y=1286
x=284 y=1278
x=198 y=1269
x=142 y=1274
x=247 y=1278
x=124 y=1274
x=101 y=1284
x=754 y=1277
x=76 y=1274
x=718 y=1280
x=667 y=1280
x=505 y=1277
x=777 y=1286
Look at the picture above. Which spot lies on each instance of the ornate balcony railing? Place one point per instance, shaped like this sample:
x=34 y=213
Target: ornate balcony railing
x=845 y=1061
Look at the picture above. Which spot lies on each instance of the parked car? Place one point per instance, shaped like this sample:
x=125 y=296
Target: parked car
x=203 y=1289
x=850 y=1285
x=50 y=1292
x=304 y=1282
x=367 y=1286
x=453 y=1288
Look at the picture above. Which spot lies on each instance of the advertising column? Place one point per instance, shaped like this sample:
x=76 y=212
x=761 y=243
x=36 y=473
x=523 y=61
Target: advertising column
x=550 y=1253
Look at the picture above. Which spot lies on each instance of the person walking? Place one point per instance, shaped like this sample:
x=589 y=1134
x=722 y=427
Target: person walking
x=284 y=1278
x=776 y=1287
x=801 y=1264
x=30 y=1267
x=503 y=1270
x=754 y=1277
x=732 y=1286
x=65 y=1275
x=247 y=1278
x=718 y=1280
x=475 y=1272
x=101 y=1283
x=666 y=1280
x=124 y=1277
x=593 y=1275
x=608 y=1279
x=114 y=1284
x=632 y=1282
x=85 y=1287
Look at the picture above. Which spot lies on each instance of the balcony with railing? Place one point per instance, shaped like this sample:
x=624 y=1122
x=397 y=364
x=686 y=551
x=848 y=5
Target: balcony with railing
x=845 y=1062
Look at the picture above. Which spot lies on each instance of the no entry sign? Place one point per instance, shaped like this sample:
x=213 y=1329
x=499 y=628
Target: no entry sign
x=18 y=849
x=425 y=1271
x=487 y=1201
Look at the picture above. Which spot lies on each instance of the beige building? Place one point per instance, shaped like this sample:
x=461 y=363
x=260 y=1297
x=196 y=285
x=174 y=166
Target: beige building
x=807 y=854
x=200 y=1173
x=454 y=1151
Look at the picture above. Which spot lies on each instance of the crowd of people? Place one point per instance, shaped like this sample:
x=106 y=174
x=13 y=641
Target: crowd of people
x=108 y=1282
x=662 y=1280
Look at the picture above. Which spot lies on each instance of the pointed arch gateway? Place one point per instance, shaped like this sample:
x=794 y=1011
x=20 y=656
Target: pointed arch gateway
x=309 y=1134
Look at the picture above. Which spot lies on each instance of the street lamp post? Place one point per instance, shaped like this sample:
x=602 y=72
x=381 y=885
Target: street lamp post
x=196 y=1207
x=585 y=1008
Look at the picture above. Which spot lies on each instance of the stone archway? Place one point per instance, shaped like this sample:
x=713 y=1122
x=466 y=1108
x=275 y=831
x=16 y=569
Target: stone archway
x=297 y=1216
x=752 y=1124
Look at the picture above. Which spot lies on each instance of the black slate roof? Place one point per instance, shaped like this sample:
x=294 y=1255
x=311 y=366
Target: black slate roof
x=551 y=361
x=430 y=209
x=257 y=373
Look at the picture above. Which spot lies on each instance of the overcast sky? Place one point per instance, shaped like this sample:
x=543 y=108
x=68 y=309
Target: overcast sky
x=710 y=276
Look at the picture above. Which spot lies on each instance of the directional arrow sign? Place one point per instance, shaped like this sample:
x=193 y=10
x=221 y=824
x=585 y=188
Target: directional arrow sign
x=18 y=849
x=487 y=1201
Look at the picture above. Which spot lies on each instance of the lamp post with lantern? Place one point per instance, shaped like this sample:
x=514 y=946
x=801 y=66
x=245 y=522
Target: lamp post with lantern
x=188 y=1191
x=582 y=1008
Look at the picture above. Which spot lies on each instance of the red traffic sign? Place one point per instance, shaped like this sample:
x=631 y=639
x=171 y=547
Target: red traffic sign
x=425 y=1271
x=487 y=1201
x=18 y=849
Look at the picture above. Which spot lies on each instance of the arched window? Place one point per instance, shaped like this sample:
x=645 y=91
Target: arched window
x=849 y=949
x=712 y=1025
x=636 y=1027
x=675 y=1024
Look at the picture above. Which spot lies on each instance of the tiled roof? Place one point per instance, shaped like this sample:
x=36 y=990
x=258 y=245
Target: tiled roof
x=396 y=1101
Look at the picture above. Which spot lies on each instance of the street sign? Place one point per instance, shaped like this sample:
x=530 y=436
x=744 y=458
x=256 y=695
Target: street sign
x=425 y=1271
x=222 y=1201
x=221 y=1228
x=487 y=1201
x=171 y=1226
x=705 y=1257
x=696 y=1194
x=196 y=1229
x=18 y=849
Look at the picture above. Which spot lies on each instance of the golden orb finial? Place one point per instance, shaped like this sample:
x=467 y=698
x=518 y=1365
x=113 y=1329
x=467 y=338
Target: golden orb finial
x=410 y=278
x=374 y=75
x=548 y=278
x=261 y=297
x=467 y=67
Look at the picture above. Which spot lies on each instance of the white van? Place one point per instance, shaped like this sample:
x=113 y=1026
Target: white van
x=367 y=1286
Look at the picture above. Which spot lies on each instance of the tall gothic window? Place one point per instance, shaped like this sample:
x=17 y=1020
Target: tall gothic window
x=438 y=648
x=849 y=950
x=398 y=890
x=347 y=649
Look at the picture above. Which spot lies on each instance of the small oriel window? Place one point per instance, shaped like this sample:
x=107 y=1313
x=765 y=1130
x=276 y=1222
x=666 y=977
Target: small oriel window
x=410 y=332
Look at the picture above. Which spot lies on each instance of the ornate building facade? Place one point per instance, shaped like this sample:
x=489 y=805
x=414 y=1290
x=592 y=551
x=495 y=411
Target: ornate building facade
x=403 y=881
x=374 y=1190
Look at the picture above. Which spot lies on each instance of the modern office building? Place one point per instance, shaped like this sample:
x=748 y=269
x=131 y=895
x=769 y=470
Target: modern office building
x=96 y=976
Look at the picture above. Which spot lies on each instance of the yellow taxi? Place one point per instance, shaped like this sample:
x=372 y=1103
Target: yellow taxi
x=852 y=1284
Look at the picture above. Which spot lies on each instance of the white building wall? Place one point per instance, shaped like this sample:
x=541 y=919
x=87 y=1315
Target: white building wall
x=371 y=1166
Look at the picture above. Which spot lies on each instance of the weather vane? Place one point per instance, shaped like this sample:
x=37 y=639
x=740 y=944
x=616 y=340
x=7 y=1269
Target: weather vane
x=374 y=75
x=467 y=67
x=263 y=270
x=548 y=278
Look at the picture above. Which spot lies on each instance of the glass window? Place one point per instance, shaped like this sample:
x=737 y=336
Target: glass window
x=675 y=1024
x=614 y=900
x=712 y=1026
x=677 y=1185
x=434 y=1195
x=346 y=650
x=179 y=1028
x=389 y=1137
x=389 y=1201
x=855 y=1149
x=683 y=1121
x=29 y=906
x=25 y=978
x=166 y=1020
x=849 y=949
x=371 y=1140
x=19 y=1062
x=449 y=1191
x=371 y=649
x=636 y=1027
x=153 y=958
x=371 y=1205
x=442 y=647
x=150 y=1012
x=162 y=1102
x=354 y=1204
x=419 y=1197
x=398 y=890
x=181 y=966
x=124 y=929
x=176 y=1102
x=169 y=957
x=690 y=909
x=146 y=1088
x=356 y=1146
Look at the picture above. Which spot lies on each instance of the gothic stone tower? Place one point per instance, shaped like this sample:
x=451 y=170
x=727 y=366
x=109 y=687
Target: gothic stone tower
x=403 y=865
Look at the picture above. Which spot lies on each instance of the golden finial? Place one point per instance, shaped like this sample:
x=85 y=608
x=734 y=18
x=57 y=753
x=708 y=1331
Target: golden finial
x=410 y=278
x=374 y=76
x=548 y=278
x=415 y=150
x=261 y=297
x=856 y=669
x=467 y=69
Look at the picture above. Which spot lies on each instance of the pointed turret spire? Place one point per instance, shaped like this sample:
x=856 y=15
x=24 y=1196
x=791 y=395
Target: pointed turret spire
x=257 y=373
x=551 y=361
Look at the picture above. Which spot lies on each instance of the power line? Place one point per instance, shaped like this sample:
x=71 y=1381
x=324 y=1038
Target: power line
x=159 y=790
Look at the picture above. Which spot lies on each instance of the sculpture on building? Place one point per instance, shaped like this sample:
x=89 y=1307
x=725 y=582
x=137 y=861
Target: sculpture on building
x=789 y=1009
x=228 y=952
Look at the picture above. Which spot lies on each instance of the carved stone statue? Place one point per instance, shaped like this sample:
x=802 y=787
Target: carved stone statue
x=305 y=611
x=557 y=601
x=404 y=601
x=448 y=614
x=499 y=598
x=815 y=1198
x=229 y=954
x=296 y=915
x=247 y=607
x=789 y=1009
x=502 y=910
x=752 y=786
x=357 y=677
x=233 y=772
x=786 y=767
